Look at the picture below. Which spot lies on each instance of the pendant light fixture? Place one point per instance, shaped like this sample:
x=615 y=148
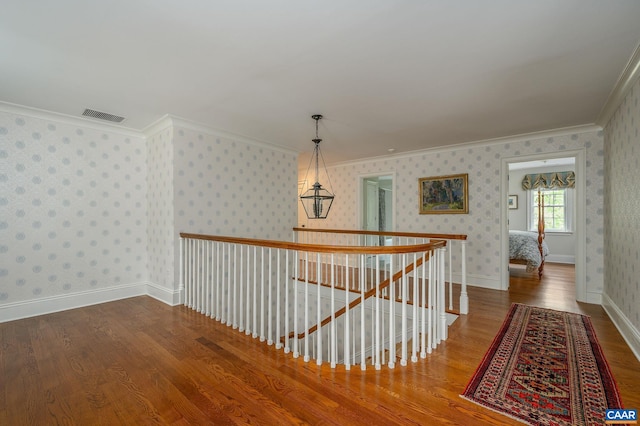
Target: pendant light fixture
x=316 y=200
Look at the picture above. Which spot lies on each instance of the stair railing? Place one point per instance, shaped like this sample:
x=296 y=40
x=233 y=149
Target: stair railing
x=277 y=291
x=456 y=248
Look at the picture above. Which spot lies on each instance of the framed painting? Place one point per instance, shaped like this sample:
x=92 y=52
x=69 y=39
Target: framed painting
x=513 y=202
x=444 y=194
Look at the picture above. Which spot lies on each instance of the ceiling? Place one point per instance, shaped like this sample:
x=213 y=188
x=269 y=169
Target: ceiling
x=537 y=164
x=401 y=75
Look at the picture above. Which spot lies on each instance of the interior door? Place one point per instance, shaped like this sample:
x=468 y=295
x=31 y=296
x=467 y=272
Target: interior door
x=377 y=205
x=372 y=207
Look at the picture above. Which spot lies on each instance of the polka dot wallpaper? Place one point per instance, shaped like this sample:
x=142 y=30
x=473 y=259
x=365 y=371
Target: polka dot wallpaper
x=72 y=209
x=202 y=182
x=224 y=186
x=84 y=210
x=482 y=162
x=160 y=214
x=622 y=207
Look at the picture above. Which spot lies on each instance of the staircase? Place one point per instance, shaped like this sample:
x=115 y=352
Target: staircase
x=342 y=304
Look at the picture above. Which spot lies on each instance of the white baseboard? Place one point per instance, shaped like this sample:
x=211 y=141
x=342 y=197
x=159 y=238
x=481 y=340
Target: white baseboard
x=476 y=280
x=594 y=298
x=48 y=305
x=165 y=295
x=630 y=334
x=51 y=304
x=560 y=258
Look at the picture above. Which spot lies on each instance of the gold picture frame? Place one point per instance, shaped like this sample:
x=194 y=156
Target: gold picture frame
x=444 y=194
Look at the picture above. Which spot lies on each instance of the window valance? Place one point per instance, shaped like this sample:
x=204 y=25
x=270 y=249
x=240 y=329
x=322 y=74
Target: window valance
x=549 y=180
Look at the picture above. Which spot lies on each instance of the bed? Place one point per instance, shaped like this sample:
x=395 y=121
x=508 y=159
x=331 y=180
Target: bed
x=529 y=248
x=524 y=249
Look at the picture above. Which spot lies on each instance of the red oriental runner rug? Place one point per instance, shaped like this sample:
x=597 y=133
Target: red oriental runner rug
x=545 y=367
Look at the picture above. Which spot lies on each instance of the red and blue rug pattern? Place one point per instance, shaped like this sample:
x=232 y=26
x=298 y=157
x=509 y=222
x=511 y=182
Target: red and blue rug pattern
x=545 y=367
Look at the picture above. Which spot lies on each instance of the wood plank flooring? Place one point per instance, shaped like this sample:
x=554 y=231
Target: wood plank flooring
x=139 y=361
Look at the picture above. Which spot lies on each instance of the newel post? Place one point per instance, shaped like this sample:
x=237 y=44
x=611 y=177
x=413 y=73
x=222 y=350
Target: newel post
x=464 y=297
x=181 y=294
x=441 y=298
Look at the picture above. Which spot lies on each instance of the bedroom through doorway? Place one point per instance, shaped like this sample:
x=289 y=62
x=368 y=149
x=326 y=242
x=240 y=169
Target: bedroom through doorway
x=563 y=268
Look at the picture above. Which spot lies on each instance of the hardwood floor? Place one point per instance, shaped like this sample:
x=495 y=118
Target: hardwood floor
x=139 y=361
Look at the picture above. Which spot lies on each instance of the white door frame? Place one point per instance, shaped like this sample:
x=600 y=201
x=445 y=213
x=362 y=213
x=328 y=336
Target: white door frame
x=360 y=186
x=581 y=218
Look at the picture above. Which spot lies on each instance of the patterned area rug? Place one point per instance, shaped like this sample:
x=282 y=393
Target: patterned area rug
x=545 y=367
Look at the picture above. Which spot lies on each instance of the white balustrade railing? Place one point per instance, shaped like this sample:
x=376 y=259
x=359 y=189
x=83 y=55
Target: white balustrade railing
x=456 y=248
x=342 y=304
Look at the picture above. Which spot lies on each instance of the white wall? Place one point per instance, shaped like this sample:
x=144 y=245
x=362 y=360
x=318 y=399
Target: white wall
x=622 y=212
x=160 y=214
x=482 y=161
x=207 y=182
x=91 y=213
x=72 y=212
x=561 y=245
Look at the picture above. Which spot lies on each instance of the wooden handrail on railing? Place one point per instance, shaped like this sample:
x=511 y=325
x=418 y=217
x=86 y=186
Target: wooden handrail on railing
x=264 y=288
x=383 y=285
x=319 y=248
x=384 y=233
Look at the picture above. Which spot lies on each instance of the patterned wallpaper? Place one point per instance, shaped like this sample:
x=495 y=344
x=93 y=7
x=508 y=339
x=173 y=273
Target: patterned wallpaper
x=160 y=209
x=226 y=186
x=482 y=225
x=204 y=182
x=622 y=207
x=83 y=209
x=72 y=208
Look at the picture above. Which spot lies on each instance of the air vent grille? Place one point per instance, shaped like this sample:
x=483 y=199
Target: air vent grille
x=102 y=116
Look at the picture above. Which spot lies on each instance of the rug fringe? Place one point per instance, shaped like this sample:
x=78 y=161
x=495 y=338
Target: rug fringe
x=498 y=412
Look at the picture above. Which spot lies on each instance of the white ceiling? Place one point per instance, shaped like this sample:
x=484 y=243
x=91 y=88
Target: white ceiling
x=537 y=164
x=406 y=75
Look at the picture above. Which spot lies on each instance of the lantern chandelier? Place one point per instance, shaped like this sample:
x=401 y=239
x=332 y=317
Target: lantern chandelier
x=316 y=200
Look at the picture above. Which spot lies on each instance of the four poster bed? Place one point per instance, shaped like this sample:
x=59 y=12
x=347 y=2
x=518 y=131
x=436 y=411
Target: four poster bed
x=529 y=248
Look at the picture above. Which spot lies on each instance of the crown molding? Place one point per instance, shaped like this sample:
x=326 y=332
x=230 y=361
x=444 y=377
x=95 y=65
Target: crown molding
x=68 y=119
x=564 y=131
x=169 y=120
x=627 y=79
x=164 y=122
x=158 y=126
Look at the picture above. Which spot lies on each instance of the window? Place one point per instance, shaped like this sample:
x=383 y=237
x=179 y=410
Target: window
x=557 y=210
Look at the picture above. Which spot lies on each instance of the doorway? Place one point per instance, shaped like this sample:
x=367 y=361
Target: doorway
x=377 y=203
x=580 y=218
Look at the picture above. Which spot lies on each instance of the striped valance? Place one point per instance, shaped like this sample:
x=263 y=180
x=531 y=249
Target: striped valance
x=549 y=180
